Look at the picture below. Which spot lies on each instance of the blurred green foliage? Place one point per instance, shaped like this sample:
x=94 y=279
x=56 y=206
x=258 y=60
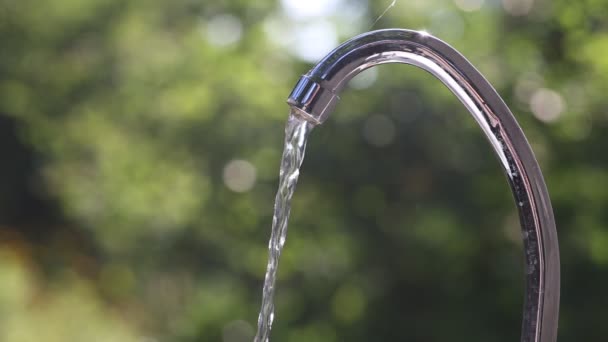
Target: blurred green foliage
x=141 y=143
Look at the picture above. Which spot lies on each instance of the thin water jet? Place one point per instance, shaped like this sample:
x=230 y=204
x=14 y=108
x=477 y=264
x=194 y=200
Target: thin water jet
x=297 y=130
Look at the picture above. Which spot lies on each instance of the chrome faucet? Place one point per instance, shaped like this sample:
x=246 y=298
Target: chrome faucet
x=317 y=93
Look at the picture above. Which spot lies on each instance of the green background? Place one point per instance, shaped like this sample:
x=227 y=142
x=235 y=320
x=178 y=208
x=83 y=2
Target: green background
x=140 y=144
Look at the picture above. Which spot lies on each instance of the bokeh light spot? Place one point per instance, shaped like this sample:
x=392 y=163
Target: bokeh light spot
x=224 y=30
x=517 y=7
x=298 y=9
x=447 y=24
x=379 y=130
x=547 y=105
x=314 y=40
x=469 y=5
x=239 y=175
x=364 y=80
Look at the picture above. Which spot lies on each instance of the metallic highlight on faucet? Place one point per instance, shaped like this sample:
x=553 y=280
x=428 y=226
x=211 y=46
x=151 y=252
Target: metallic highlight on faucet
x=317 y=93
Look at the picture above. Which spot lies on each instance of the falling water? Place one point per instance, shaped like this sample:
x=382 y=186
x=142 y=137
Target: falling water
x=296 y=134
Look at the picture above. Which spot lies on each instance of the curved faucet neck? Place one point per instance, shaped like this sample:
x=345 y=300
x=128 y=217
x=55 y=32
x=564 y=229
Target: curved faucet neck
x=317 y=93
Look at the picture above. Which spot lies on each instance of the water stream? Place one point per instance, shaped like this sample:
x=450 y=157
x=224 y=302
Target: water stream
x=296 y=135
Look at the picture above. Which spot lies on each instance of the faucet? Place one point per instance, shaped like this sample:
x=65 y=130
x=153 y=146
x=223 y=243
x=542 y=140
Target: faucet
x=317 y=93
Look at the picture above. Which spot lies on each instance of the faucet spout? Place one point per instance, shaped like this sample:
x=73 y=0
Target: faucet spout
x=317 y=93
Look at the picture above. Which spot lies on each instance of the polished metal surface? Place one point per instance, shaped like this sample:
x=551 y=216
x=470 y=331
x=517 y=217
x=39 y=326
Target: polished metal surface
x=316 y=94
